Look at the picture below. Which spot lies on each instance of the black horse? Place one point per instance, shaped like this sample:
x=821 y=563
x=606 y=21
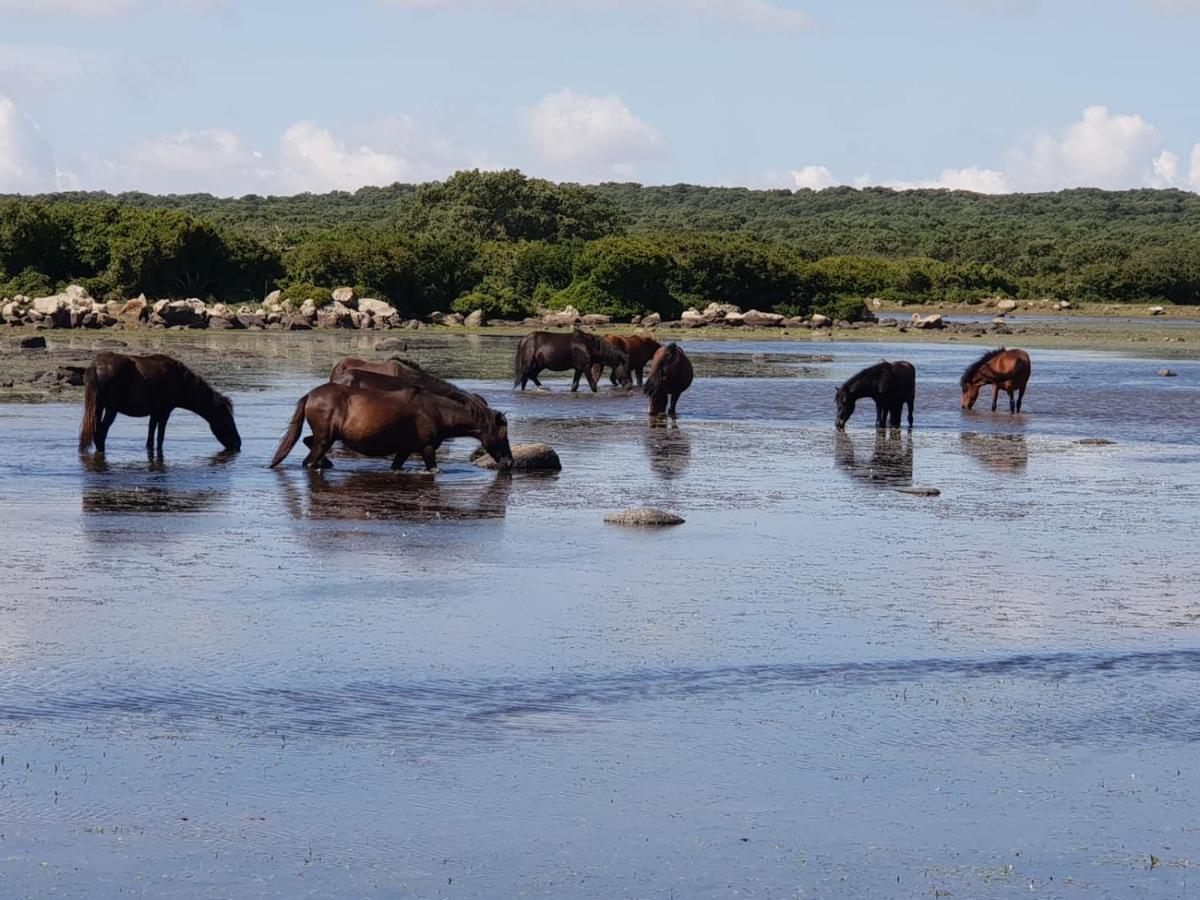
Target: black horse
x=579 y=350
x=889 y=384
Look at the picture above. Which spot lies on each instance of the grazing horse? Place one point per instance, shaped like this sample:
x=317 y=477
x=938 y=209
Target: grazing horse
x=153 y=386
x=670 y=375
x=398 y=368
x=890 y=384
x=368 y=377
x=639 y=349
x=393 y=423
x=1005 y=370
x=579 y=350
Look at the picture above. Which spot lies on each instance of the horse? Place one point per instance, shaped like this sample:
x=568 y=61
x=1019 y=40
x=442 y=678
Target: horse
x=153 y=386
x=396 y=367
x=639 y=349
x=670 y=375
x=579 y=350
x=392 y=423
x=890 y=384
x=369 y=377
x=1005 y=370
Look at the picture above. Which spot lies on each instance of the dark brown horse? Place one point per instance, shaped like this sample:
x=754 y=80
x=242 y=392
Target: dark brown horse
x=639 y=349
x=1005 y=370
x=397 y=368
x=393 y=423
x=578 y=350
x=890 y=384
x=369 y=377
x=153 y=386
x=670 y=375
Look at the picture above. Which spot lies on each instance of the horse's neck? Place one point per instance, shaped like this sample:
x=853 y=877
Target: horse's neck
x=199 y=399
x=457 y=421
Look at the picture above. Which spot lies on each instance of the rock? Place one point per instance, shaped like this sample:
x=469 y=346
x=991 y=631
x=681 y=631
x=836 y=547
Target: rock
x=50 y=306
x=568 y=316
x=75 y=293
x=691 y=316
x=1095 y=442
x=931 y=321
x=1167 y=373
x=1156 y=311
x=1063 y=304
x=651 y=320
x=308 y=309
x=635 y=320
x=31 y=342
x=795 y=322
x=920 y=491
x=820 y=321
x=756 y=319
x=297 y=323
x=273 y=300
x=452 y=319
x=887 y=323
x=476 y=319
x=1006 y=305
x=999 y=322
x=346 y=297
x=391 y=344
x=252 y=320
x=526 y=458
x=413 y=324
x=135 y=310
x=335 y=315
x=376 y=308
x=644 y=516
x=714 y=312
x=188 y=313
x=596 y=319
x=221 y=323
x=734 y=320
x=876 y=303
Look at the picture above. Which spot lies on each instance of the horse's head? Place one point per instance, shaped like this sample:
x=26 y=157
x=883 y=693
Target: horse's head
x=494 y=437
x=222 y=424
x=845 y=407
x=970 y=393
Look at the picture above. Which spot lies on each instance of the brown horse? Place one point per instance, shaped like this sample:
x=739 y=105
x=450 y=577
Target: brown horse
x=890 y=384
x=393 y=423
x=639 y=349
x=1005 y=370
x=578 y=350
x=397 y=368
x=670 y=375
x=153 y=386
x=399 y=375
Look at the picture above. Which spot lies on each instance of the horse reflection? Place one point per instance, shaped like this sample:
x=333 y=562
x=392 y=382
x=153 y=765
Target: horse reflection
x=387 y=495
x=1004 y=453
x=891 y=463
x=668 y=448
x=162 y=494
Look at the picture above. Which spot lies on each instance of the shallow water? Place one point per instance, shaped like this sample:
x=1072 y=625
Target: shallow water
x=217 y=679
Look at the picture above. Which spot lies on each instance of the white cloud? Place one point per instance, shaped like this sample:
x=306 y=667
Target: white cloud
x=307 y=157
x=813 y=177
x=1100 y=150
x=753 y=13
x=26 y=161
x=34 y=69
x=588 y=137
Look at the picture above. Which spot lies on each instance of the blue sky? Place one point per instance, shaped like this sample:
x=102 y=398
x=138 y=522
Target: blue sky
x=234 y=96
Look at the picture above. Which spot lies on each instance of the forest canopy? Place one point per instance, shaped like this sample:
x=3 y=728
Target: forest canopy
x=512 y=245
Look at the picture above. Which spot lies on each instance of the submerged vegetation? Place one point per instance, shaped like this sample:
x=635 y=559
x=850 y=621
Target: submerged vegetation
x=511 y=245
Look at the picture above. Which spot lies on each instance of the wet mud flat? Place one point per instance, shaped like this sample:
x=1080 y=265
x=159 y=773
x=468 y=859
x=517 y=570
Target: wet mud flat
x=217 y=679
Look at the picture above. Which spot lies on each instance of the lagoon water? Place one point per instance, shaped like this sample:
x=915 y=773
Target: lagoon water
x=220 y=680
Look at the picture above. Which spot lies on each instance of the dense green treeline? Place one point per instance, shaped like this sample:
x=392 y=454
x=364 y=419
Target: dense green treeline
x=512 y=245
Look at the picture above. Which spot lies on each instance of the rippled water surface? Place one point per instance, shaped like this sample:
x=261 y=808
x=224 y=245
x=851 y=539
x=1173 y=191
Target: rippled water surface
x=222 y=680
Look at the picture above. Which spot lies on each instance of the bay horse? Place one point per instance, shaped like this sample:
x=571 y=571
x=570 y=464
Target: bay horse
x=890 y=384
x=391 y=423
x=670 y=375
x=398 y=375
x=153 y=386
x=397 y=368
x=1005 y=370
x=639 y=349
x=579 y=350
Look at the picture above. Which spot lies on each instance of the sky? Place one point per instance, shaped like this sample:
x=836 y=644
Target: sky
x=283 y=96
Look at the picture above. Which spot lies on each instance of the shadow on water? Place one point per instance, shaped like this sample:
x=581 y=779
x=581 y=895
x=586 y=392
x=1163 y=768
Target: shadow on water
x=1007 y=454
x=387 y=494
x=143 y=487
x=668 y=448
x=891 y=462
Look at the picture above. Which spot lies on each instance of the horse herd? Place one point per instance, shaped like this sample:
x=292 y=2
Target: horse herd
x=394 y=408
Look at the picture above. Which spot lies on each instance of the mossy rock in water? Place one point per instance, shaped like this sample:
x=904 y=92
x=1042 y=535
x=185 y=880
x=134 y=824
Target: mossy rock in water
x=644 y=517
x=526 y=458
x=917 y=491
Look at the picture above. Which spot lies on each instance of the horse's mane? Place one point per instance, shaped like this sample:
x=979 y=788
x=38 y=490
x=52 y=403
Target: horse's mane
x=977 y=365
x=865 y=373
x=199 y=387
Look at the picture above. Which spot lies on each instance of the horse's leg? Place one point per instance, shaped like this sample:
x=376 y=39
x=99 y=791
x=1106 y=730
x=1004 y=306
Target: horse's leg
x=1012 y=402
x=995 y=394
x=533 y=376
x=429 y=454
x=162 y=430
x=316 y=456
x=638 y=374
x=150 y=433
x=575 y=380
x=880 y=415
x=400 y=459
x=592 y=381
x=1020 y=396
x=674 y=400
x=910 y=413
x=110 y=416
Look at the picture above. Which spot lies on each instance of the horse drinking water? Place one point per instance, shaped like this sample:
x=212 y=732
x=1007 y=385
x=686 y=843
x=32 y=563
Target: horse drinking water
x=1005 y=370
x=670 y=375
x=890 y=384
x=579 y=350
x=153 y=386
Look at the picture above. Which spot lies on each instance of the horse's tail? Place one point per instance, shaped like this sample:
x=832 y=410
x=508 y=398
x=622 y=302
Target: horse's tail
x=91 y=407
x=523 y=359
x=293 y=433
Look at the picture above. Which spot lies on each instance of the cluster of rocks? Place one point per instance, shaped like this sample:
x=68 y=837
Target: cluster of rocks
x=730 y=316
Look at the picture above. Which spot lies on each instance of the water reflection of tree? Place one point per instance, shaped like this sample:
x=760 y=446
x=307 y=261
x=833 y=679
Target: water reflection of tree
x=385 y=494
x=669 y=449
x=891 y=462
x=1004 y=453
